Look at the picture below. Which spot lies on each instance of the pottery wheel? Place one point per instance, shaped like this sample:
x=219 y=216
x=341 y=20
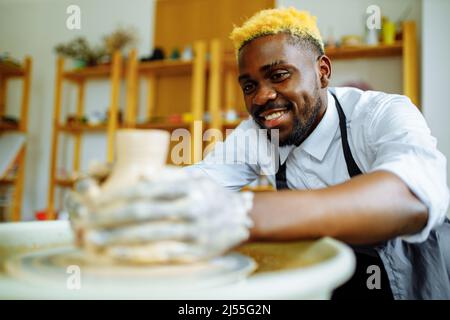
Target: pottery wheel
x=51 y=267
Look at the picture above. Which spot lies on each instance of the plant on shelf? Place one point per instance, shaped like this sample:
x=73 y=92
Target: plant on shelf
x=84 y=54
x=81 y=52
x=120 y=40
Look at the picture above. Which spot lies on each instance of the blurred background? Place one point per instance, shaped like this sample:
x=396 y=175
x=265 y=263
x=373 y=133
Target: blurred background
x=73 y=72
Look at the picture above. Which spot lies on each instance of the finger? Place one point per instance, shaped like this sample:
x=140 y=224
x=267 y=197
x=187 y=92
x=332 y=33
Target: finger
x=148 y=190
x=222 y=238
x=122 y=212
x=87 y=188
x=160 y=252
x=143 y=233
x=75 y=206
x=169 y=187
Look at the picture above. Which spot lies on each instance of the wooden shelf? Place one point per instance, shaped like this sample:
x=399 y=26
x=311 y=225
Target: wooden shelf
x=97 y=72
x=347 y=52
x=365 y=51
x=65 y=182
x=186 y=125
x=77 y=128
x=8 y=69
x=165 y=67
x=9 y=127
x=7 y=181
x=113 y=72
x=163 y=126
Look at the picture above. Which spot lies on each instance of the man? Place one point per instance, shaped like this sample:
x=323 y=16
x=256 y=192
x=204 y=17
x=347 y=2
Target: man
x=362 y=166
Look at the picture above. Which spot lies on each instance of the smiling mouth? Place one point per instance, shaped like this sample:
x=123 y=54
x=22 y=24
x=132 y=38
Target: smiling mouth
x=273 y=114
x=274 y=117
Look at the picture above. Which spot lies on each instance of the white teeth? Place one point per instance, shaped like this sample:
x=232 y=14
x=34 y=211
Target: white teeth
x=274 y=115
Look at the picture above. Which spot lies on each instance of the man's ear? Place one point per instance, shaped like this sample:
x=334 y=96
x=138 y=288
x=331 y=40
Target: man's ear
x=324 y=64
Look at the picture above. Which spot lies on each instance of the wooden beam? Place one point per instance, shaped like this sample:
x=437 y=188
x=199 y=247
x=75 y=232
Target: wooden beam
x=78 y=136
x=132 y=90
x=114 y=107
x=151 y=95
x=3 y=94
x=18 y=187
x=198 y=99
x=23 y=126
x=410 y=63
x=215 y=84
x=230 y=93
x=54 y=146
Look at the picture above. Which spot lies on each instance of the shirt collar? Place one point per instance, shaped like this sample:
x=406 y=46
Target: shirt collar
x=284 y=152
x=319 y=141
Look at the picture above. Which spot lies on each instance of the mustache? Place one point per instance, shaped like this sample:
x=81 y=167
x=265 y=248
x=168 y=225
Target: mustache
x=258 y=110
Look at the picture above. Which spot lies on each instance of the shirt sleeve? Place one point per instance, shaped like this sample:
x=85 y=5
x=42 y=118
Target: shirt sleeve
x=403 y=144
x=232 y=163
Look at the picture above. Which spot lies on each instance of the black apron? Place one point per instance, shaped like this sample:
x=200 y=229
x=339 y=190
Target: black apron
x=408 y=270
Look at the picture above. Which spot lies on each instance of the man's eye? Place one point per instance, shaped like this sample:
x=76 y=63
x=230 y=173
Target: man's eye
x=247 y=88
x=279 y=76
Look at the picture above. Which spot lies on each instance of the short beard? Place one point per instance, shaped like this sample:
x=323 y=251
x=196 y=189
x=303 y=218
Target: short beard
x=301 y=131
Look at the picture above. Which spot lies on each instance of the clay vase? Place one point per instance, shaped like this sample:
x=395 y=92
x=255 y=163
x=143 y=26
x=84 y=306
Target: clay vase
x=138 y=153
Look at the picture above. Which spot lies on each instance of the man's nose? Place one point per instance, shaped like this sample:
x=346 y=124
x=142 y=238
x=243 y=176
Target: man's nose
x=263 y=95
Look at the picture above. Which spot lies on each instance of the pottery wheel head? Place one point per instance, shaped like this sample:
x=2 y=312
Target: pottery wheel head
x=50 y=267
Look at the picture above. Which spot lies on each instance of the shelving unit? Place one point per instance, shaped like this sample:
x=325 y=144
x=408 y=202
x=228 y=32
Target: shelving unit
x=406 y=49
x=134 y=70
x=10 y=71
x=114 y=72
x=156 y=71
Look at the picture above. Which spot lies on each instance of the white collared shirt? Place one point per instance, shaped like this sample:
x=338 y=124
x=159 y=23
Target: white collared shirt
x=385 y=132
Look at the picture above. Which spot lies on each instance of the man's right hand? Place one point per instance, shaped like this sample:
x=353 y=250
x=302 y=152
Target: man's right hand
x=176 y=217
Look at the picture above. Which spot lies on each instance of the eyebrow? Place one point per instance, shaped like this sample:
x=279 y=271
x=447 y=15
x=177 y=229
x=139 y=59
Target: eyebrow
x=264 y=68
x=271 y=65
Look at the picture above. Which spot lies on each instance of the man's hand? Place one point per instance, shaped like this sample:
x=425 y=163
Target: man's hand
x=177 y=216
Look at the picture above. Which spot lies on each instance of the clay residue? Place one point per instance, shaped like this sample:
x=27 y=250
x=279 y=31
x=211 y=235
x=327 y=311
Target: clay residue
x=278 y=256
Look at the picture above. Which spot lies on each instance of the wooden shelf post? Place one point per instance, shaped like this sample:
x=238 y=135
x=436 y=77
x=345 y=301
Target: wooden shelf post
x=132 y=90
x=114 y=108
x=23 y=127
x=410 y=63
x=215 y=83
x=54 y=147
x=3 y=91
x=78 y=138
x=198 y=99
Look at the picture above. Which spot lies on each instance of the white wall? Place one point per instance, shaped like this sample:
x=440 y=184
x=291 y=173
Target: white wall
x=34 y=27
x=436 y=70
x=344 y=17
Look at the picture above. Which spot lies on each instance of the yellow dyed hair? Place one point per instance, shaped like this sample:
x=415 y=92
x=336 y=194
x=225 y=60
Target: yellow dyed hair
x=272 y=21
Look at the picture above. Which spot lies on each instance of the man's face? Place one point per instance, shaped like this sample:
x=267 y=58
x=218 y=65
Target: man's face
x=280 y=82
